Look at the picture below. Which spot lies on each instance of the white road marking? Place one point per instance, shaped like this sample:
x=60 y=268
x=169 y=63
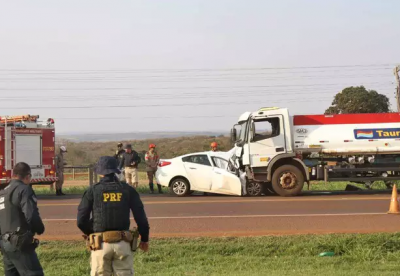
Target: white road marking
x=248 y=216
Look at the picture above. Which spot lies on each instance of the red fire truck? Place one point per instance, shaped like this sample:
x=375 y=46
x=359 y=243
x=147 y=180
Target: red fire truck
x=25 y=139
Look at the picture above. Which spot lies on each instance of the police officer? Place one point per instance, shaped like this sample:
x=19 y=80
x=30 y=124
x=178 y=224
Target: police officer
x=130 y=161
x=60 y=163
x=19 y=222
x=110 y=203
x=119 y=152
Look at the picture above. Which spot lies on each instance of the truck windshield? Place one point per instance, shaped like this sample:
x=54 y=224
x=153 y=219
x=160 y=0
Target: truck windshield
x=242 y=133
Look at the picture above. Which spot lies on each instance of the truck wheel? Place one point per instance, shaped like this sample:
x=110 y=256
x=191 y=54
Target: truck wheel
x=180 y=187
x=254 y=188
x=287 y=180
x=268 y=190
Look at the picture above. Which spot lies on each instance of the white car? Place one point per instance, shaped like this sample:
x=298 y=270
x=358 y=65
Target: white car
x=204 y=172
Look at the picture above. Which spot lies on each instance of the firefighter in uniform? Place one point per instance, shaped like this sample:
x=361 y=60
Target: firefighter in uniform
x=19 y=222
x=152 y=160
x=103 y=216
x=214 y=146
x=60 y=163
x=130 y=161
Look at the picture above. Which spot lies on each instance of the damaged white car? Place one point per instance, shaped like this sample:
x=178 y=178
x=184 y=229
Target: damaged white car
x=210 y=172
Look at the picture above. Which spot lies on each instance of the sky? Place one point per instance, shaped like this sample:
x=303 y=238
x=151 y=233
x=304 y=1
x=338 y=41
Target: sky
x=189 y=65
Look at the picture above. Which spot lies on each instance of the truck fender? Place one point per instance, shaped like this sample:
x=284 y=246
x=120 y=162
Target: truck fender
x=306 y=171
x=287 y=158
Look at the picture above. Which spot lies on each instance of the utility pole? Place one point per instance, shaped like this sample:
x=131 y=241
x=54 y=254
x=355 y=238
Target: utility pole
x=396 y=74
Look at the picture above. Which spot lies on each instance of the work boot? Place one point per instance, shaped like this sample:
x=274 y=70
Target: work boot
x=59 y=192
x=159 y=189
x=151 y=185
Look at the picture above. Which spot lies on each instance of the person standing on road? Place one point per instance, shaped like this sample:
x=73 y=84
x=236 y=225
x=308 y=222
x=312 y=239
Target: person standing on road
x=19 y=222
x=152 y=160
x=103 y=216
x=214 y=146
x=60 y=163
x=130 y=161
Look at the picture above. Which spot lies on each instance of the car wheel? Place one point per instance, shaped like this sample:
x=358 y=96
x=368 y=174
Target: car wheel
x=254 y=188
x=180 y=187
x=287 y=180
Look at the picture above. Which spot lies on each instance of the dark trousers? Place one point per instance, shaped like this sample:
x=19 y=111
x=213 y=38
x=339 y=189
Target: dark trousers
x=17 y=263
x=150 y=176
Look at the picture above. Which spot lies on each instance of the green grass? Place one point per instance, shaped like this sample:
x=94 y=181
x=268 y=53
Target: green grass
x=362 y=254
x=144 y=189
x=340 y=186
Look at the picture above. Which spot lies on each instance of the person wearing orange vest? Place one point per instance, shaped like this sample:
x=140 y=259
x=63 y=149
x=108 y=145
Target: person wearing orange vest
x=214 y=146
x=152 y=160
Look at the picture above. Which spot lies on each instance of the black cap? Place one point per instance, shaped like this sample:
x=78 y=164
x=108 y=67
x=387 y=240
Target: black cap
x=128 y=146
x=107 y=165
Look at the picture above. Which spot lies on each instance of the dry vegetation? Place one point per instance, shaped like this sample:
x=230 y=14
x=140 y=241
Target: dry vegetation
x=87 y=153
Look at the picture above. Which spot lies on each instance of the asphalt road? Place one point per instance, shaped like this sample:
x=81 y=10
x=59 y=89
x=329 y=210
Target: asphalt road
x=197 y=216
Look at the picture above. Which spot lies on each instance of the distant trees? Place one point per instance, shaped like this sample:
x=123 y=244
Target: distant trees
x=359 y=100
x=86 y=153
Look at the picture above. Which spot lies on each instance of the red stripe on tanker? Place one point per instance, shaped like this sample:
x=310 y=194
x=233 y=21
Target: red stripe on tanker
x=361 y=129
x=341 y=119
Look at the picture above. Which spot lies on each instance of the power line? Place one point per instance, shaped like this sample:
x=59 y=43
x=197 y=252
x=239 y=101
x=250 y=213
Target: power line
x=170 y=96
x=189 y=74
x=145 y=118
x=171 y=79
x=162 y=105
x=192 y=87
x=199 y=69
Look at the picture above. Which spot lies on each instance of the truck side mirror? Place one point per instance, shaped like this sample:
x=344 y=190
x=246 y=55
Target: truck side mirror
x=233 y=135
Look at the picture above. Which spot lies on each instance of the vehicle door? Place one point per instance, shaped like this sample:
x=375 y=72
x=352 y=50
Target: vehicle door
x=199 y=170
x=225 y=179
x=266 y=140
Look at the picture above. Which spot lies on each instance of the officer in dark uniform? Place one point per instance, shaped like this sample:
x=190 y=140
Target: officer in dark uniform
x=119 y=152
x=130 y=161
x=110 y=202
x=19 y=222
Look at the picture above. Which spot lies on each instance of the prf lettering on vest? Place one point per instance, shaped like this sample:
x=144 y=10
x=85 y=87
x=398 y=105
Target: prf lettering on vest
x=112 y=197
x=382 y=133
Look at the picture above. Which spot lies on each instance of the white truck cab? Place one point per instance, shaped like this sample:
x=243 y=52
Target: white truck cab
x=264 y=150
x=273 y=148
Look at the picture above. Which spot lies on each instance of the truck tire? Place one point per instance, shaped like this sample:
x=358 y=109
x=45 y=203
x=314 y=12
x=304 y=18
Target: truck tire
x=287 y=180
x=180 y=187
x=268 y=190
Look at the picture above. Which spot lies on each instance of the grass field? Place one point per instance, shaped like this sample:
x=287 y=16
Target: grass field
x=79 y=186
x=363 y=254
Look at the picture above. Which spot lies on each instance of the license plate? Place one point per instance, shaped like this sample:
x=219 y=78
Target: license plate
x=37 y=173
